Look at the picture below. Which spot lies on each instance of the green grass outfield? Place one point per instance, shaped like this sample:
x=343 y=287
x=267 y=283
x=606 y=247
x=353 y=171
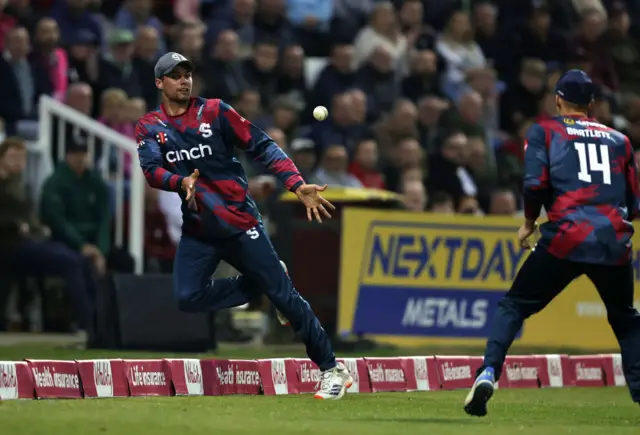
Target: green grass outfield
x=537 y=412
x=581 y=411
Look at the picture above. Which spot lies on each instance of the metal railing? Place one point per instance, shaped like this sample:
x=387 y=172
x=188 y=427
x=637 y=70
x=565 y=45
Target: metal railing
x=52 y=111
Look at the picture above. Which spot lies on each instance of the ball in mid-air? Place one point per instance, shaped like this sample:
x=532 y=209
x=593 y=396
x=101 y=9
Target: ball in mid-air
x=320 y=113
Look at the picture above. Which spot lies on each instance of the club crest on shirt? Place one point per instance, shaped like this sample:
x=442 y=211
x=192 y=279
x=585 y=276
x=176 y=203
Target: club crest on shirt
x=569 y=121
x=161 y=137
x=205 y=129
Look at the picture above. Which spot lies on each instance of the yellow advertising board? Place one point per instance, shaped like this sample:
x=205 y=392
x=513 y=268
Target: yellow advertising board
x=413 y=279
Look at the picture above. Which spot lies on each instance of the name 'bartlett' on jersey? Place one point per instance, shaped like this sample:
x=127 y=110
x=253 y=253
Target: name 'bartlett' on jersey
x=171 y=148
x=584 y=174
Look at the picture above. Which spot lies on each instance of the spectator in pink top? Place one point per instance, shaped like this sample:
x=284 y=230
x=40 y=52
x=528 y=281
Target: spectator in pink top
x=52 y=58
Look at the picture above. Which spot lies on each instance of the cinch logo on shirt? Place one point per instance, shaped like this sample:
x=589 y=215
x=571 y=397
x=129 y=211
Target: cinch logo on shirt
x=194 y=153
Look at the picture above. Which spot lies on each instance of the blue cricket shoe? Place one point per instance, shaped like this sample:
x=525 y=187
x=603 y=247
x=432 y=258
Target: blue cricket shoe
x=482 y=390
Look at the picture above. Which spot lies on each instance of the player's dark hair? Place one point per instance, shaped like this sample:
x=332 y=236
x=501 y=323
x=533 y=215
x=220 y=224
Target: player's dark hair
x=11 y=142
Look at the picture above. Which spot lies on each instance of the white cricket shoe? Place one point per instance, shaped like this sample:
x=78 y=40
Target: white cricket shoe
x=283 y=320
x=334 y=383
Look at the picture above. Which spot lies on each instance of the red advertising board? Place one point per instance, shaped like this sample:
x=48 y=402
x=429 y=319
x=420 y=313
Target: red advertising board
x=16 y=381
x=103 y=378
x=55 y=379
x=386 y=374
x=148 y=377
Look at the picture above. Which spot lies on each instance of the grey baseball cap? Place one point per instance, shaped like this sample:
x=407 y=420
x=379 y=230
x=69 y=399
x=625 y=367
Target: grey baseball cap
x=168 y=62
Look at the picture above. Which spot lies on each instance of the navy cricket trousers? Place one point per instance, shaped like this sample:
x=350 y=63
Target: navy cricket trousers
x=253 y=255
x=541 y=278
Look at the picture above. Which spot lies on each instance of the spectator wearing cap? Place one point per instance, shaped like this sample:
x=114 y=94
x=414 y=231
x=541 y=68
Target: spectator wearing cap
x=223 y=75
x=302 y=151
x=311 y=20
x=333 y=169
x=521 y=100
x=75 y=205
x=144 y=59
x=115 y=67
x=25 y=247
x=23 y=82
x=74 y=17
x=51 y=57
x=336 y=77
x=624 y=48
x=138 y=13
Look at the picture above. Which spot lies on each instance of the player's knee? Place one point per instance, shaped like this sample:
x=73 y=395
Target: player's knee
x=522 y=309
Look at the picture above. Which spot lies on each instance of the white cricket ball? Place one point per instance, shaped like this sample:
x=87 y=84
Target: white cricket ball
x=320 y=113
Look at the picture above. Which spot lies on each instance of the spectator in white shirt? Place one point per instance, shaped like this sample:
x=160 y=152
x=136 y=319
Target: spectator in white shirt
x=170 y=205
x=460 y=52
x=383 y=30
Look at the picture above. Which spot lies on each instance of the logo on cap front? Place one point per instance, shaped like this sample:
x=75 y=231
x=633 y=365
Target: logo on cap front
x=178 y=57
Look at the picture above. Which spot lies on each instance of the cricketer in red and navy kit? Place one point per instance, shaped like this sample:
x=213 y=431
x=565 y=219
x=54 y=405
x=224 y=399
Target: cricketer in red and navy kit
x=187 y=145
x=584 y=174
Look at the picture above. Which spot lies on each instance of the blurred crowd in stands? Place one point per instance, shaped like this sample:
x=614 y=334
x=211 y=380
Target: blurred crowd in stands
x=427 y=98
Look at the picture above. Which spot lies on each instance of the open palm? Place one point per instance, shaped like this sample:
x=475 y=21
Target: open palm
x=316 y=205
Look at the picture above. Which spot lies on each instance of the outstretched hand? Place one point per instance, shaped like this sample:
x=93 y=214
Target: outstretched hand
x=189 y=186
x=316 y=205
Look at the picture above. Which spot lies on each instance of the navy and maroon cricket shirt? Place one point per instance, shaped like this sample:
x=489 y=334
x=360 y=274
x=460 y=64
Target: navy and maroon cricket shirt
x=170 y=148
x=585 y=175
